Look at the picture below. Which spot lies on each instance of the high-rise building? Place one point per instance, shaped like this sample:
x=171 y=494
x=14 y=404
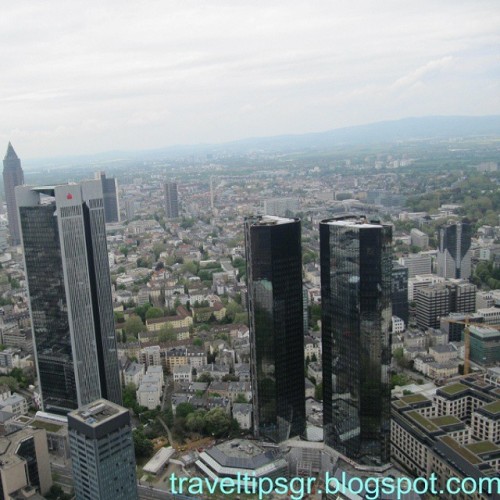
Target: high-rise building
x=400 y=292
x=281 y=207
x=12 y=176
x=69 y=286
x=418 y=264
x=454 y=254
x=110 y=197
x=356 y=276
x=171 y=200
x=275 y=308
x=439 y=300
x=102 y=452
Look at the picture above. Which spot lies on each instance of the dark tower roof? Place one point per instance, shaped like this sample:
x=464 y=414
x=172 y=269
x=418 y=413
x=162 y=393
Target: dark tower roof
x=10 y=154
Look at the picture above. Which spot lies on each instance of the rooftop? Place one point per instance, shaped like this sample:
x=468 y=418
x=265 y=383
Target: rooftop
x=453 y=389
x=482 y=447
x=97 y=412
x=493 y=408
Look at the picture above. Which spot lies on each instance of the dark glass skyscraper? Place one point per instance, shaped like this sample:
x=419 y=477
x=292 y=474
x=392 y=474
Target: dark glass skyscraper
x=356 y=263
x=275 y=306
x=400 y=306
x=69 y=286
x=110 y=197
x=12 y=176
x=171 y=200
x=454 y=253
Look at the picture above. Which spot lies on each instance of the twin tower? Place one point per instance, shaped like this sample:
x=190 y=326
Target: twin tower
x=356 y=264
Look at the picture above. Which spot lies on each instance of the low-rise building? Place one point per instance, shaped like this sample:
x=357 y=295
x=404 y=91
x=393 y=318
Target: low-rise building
x=182 y=373
x=242 y=413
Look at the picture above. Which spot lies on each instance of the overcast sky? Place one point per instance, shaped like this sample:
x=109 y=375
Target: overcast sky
x=98 y=75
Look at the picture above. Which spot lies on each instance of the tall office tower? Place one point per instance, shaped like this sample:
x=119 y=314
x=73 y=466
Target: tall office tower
x=102 y=452
x=69 y=287
x=110 y=197
x=130 y=209
x=417 y=264
x=399 y=294
x=171 y=200
x=12 y=176
x=275 y=310
x=356 y=275
x=454 y=254
x=281 y=207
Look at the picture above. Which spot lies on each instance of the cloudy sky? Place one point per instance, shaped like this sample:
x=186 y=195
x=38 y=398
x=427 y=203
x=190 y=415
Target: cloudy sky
x=98 y=75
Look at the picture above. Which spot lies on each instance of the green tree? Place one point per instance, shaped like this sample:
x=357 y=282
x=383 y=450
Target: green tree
x=142 y=310
x=142 y=445
x=240 y=398
x=167 y=333
x=195 y=421
x=133 y=326
x=205 y=377
x=154 y=312
x=217 y=422
x=158 y=248
x=183 y=410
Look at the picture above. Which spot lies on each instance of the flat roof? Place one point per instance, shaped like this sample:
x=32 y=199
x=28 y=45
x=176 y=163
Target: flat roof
x=267 y=220
x=97 y=412
x=453 y=389
x=445 y=420
x=414 y=398
x=482 y=447
x=492 y=407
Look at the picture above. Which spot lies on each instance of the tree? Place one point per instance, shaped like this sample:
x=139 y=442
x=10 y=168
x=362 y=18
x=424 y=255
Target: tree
x=240 y=398
x=142 y=445
x=197 y=342
x=143 y=262
x=183 y=410
x=158 y=248
x=154 y=312
x=167 y=333
x=217 y=422
x=195 y=421
x=133 y=326
x=142 y=310
x=205 y=377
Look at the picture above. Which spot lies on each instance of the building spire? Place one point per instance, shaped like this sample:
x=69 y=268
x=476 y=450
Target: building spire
x=10 y=154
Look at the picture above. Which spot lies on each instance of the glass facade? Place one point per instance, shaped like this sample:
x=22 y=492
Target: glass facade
x=49 y=311
x=171 y=200
x=275 y=305
x=400 y=306
x=69 y=288
x=356 y=278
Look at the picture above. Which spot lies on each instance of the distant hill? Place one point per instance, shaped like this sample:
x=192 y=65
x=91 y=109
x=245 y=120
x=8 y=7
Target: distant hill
x=406 y=129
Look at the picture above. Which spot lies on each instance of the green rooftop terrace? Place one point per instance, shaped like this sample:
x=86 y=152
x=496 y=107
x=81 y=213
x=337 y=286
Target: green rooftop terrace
x=453 y=389
x=414 y=398
x=461 y=450
x=493 y=407
x=482 y=447
x=445 y=420
x=48 y=426
x=422 y=421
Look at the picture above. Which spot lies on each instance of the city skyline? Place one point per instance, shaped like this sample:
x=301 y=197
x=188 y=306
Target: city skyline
x=106 y=77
